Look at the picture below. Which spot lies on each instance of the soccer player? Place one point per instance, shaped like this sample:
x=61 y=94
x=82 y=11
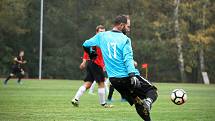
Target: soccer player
x=95 y=72
x=91 y=90
x=118 y=57
x=17 y=67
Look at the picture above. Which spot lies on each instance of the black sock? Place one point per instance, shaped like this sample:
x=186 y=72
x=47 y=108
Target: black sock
x=111 y=90
x=152 y=94
x=144 y=115
x=7 y=79
x=20 y=76
x=19 y=80
x=122 y=97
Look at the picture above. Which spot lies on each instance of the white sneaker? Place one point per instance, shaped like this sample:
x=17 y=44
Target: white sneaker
x=107 y=106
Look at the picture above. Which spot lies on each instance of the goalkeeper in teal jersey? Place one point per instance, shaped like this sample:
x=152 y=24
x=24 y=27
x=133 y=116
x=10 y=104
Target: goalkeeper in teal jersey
x=118 y=57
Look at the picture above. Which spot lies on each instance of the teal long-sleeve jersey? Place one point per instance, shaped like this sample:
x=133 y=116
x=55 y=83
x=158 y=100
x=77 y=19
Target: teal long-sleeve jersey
x=116 y=51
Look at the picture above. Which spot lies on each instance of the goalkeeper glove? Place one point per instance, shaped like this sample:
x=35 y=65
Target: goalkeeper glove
x=93 y=55
x=135 y=82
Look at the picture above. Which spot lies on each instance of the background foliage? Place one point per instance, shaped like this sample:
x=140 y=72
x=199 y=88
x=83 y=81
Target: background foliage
x=68 y=23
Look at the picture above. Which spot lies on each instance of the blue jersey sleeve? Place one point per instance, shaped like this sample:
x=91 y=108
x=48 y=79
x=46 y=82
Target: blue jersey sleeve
x=128 y=57
x=94 y=41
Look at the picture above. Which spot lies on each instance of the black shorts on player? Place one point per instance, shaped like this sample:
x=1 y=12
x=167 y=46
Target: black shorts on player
x=124 y=87
x=16 y=70
x=146 y=90
x=94 y=72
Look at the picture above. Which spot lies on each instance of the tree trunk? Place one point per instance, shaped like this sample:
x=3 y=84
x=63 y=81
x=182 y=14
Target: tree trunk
x=202 y=60
x=179 y=43
x=201 y=51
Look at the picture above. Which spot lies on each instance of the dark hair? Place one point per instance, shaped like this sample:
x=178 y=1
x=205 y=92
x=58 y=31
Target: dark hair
x=99 y=27
x=120 y=19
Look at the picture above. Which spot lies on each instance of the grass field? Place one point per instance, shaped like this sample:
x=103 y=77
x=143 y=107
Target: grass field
x=49 y=100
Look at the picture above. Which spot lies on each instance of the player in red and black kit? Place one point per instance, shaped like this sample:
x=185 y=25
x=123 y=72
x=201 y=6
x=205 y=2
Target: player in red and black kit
x=95 y=71
x=17 y=67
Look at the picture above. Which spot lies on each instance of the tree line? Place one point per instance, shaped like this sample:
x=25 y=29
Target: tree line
x=175 y=37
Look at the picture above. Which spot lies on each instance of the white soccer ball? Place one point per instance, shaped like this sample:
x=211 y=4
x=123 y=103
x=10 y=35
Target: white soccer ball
x=178 y=96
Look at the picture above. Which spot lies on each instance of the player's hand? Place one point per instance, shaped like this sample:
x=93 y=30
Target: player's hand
x=135 y=82
x=20 y=62
x=82 y=65
x=93 y=55
x=24 y=62
x=23 y=72
x=135 y=63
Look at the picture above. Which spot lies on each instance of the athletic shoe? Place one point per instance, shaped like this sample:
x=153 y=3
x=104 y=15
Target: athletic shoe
x=107 y=106
x=4 y=82
x=75 y=102
x=145 y=104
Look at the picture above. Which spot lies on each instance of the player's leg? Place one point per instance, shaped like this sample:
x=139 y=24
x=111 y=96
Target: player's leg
x=151 y=97
x=13 y=73
x=142 y=111
x=82 y=89
x=8 y=78
x=107 y=82
x=146 y=96
x=123 y=86
x=20 y=75
x=80 y=92
x=150 y=91
x=101 y=93
x=87 y=84
x=123 y=99
x=110 y=94
x=98 y=75
x=107 y=85
x=92 y=88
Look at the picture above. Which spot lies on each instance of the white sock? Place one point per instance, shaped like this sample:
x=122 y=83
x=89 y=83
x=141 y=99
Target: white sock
x=106 y=85
x=80 y=92
x=92 y=87
x=101 y=92
x=149 y=100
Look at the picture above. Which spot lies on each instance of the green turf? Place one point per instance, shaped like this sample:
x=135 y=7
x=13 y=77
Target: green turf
x=49 y=100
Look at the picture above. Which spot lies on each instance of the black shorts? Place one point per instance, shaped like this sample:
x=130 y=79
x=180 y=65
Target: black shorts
x=16 y=70
x=123 y=86
x=94 y=72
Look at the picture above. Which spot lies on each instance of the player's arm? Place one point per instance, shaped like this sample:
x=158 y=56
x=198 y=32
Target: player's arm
x=83 y=64
x=94 y=41
x=129 y=62
x=16 y=60
x=24 y=62
x=135 y=63
x=84 y=61
x=128 y=57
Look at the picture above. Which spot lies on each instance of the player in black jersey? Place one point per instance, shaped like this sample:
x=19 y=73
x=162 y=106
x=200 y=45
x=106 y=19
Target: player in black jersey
x=17 y=67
